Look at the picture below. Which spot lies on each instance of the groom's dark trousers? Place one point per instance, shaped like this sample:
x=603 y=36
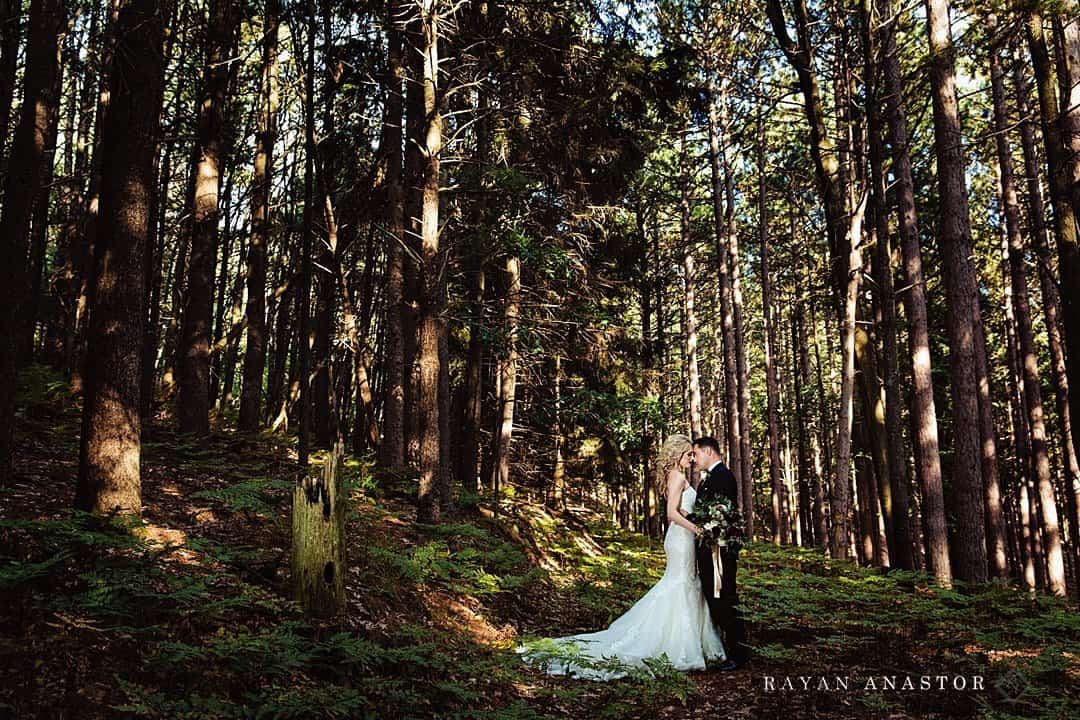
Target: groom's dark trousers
x=724 y=609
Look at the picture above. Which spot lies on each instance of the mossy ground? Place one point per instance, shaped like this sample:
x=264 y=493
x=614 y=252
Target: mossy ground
x=188 y=615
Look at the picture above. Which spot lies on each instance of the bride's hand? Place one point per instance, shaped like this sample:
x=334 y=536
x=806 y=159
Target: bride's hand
x=699 y=531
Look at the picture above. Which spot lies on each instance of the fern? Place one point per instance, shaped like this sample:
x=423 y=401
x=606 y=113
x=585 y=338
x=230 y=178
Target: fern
x=258 y=496
x=15 y=573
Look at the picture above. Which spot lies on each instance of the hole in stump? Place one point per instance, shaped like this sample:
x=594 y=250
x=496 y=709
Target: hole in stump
x=328 y=573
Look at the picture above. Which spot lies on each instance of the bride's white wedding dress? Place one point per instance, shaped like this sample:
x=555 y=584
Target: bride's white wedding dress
x=670 y=619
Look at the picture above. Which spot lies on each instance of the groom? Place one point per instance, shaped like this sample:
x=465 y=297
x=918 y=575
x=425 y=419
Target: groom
x=724 y=610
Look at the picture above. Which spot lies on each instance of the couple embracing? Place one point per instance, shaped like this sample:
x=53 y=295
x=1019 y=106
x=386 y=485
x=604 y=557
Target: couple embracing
x=684 y=614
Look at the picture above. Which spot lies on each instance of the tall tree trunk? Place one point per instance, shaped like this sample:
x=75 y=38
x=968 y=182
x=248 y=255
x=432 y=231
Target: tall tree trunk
x=474 y=374
x=558 y=476
x=303 y=302
x=326 y=285
x=1061 y=167
x=224 y=272
x=841 y=491
x=923 y=411
x=109 y=455
x=21 y=184
x=229 y=344
x=39 y=224
x=472 y=406
x=154 y=278
x=366 y=433
x=255 y=352
x=209 y=153
x=68 y=260
x=446 y=473
x=507 y=370
x=650 y=320
x=727 y=314
x=279 y=389
x=811 y=508
x=1051 y=303
x=894 y=502
x=868 y=543
x=781 y=525
x=742 y=368
x=1021 y=435
x=821 y=517
x=844 y=231
x=392 y=446
x=92 y=202
x=429 y=323
x=1029 y=360
x=690 y=334
x=1067 y=43
x=954 y=236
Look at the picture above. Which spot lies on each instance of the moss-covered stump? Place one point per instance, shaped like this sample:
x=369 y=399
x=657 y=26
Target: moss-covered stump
x=318 y=537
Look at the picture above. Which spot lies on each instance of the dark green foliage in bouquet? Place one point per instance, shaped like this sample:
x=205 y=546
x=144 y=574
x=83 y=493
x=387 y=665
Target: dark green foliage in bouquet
x=722 y=522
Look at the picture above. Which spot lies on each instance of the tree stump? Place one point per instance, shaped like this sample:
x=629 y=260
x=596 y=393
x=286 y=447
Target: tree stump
x=318 y=525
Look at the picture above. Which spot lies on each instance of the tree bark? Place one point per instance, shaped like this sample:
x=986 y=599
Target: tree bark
x=650 y=321
x=1029 y=360
x=427 y=404
x=923 y=411
x=472 y=407
x=110 y=446
x=318 y=539
x=22 y=183
x=727 y=313
x=954 y=237
x=844 y=232
x=690 y=334
x=224 y=273
x=895 y=501
x=326 y=425
x=1067 y=43
x=193 y=406
x=255 y=352
x=1051 y=302
x=821 y=516
x=1061 y=167
x=303 y=298
x=781 y=525
x=801 y=380
x=1021 y=435
x=366 y=433
x=507 y=369
x=39 y=223
x=91 y=203
x=742 y=368
x=840 y=500
x=392 y=445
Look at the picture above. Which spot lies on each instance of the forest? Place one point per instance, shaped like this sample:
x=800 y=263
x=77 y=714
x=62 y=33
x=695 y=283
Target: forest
x=339 y=339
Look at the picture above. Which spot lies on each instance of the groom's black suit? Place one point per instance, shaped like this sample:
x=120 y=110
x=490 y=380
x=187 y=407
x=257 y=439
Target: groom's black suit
x=724 y=611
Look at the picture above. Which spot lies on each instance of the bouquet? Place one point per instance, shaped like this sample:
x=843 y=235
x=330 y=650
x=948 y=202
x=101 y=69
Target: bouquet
x=722 y=522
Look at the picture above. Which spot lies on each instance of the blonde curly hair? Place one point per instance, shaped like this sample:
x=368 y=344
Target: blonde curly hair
x=670 y=452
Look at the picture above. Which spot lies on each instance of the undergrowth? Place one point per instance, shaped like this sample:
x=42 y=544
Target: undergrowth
x=102 y=617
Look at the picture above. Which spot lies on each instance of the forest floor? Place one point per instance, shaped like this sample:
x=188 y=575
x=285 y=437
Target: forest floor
x=187 y=613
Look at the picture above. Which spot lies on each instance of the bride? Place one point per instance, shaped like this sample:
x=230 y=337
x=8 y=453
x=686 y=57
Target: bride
x=671 y=619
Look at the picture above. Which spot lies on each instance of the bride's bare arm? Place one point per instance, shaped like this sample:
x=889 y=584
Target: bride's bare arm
x=675 y=482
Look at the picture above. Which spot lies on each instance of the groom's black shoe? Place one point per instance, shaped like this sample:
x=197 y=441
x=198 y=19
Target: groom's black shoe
x=730 y=664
